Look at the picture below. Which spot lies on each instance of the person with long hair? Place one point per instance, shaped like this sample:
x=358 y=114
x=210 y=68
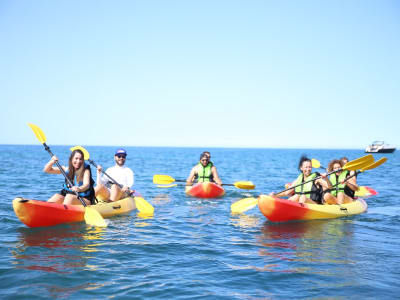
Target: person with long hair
x=79 y=173
x=344 y=184
x=311 y=192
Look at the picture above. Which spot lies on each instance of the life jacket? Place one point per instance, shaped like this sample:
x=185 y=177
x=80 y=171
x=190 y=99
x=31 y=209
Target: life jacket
x=334 y=179
x=204 y=174
x=314 y=192
x=89 y=193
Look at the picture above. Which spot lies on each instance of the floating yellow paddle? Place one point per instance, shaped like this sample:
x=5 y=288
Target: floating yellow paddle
x=92 y=216
x=166 y=179
x=144 y=207
x=362 y=162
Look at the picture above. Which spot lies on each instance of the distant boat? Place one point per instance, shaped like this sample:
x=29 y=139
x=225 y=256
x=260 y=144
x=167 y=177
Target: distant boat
x=380 y=147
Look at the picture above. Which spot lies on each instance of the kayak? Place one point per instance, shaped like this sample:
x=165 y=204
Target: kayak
x=36 y=213
x=205 y=190
x=281 y=210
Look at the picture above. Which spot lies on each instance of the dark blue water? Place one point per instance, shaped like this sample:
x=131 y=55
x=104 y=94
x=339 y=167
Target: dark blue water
x=195 y=248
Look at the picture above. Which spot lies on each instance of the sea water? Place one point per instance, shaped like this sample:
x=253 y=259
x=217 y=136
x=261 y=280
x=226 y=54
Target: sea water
x=194 y=248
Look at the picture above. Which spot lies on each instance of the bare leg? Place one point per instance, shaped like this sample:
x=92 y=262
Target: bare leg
x=329 y=198
x=303 y=199
x=73 y=200
x=347 y=199
x=102 y=193
x=115 y=193
x=56 y=198
x=340 y=198
x=295 y=198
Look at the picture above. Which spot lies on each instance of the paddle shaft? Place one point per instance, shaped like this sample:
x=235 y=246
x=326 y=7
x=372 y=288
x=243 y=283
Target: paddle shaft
x=47 y=148
x=109 y=177
x=318 y=177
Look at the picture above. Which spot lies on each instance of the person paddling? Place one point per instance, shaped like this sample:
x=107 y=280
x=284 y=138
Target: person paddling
x=204 y=171
x=106 y=189
x=311 y=192
x=344 y=185
x=79 y=174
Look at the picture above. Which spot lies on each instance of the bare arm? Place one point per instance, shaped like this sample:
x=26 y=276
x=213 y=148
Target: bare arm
x=189 y=180
x=352 y=183
x=49 y=167
x=215 y=175
x=286 y=193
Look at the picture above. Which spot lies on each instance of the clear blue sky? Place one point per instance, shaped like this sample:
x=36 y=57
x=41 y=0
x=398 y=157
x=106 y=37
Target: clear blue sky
x=297 y=74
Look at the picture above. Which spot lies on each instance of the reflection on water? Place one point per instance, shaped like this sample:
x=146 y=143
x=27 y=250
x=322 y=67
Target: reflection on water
x=309 y=242
x=245 y=221
x=59 y=249
x=161 y=199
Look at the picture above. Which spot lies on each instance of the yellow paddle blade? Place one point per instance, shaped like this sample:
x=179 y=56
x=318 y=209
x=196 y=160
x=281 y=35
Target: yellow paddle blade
x=358 y=165
x=144 y=207
x=374 y=165
x=162 y=179
x=93 y=217
x=315 y=163
x=167 y=186
x=365 y=159
x=38 y=132
x=86 y=154
x=243 y=205
x=246 y=185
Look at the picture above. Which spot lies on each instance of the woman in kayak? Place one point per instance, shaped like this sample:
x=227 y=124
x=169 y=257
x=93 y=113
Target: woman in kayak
x=310 y=192
x=204 y=171
x=343 y=184
x=79 y=174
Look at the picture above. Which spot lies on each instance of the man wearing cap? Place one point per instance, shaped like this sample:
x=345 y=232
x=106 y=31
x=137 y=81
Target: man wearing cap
x=105 y=188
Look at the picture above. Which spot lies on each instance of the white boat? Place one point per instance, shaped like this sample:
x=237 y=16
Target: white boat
x=380 y=147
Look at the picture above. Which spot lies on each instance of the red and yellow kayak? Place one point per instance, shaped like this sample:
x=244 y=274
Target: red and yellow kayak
x=35 y=213
x=281 y=210
x=205 y=190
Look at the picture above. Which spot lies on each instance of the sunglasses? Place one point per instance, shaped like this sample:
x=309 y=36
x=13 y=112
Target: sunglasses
x=204 y=159
x=121 y=156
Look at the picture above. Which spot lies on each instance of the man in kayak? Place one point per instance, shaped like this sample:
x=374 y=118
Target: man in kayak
x=312 y=189
x=204 y=171
x=80 y=174
x=106 y=189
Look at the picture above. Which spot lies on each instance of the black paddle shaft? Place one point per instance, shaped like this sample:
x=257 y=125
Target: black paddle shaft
x=47 y=148
x=109 y=177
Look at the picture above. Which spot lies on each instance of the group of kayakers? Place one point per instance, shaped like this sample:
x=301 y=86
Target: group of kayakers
x=337 y=188
x=79 y=173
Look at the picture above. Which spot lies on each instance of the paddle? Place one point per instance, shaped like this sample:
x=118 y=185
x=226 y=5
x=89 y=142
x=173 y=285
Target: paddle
x=92 y=216
x=248 y=203
x=368 y=167
x=166 y=179
x=144 y=207
x=316 y=164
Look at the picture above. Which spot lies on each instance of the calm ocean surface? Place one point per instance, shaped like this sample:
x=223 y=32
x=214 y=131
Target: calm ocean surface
x=195 y=249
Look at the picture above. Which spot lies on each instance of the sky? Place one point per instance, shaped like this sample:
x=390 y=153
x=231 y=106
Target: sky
x=270 y=74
